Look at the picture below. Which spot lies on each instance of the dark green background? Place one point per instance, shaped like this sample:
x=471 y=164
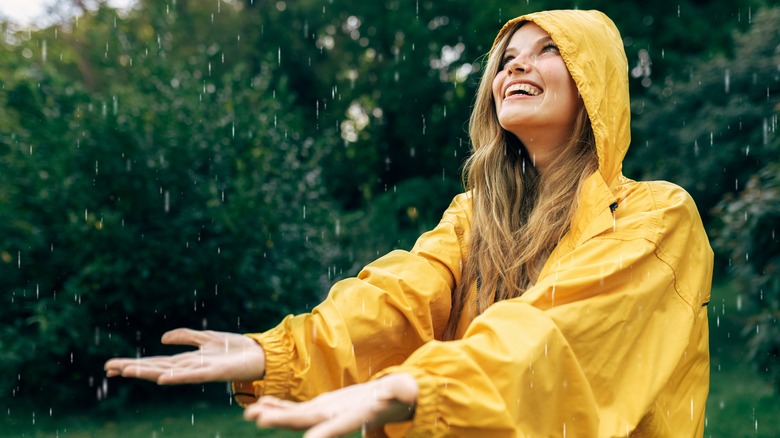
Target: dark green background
x=219 y=164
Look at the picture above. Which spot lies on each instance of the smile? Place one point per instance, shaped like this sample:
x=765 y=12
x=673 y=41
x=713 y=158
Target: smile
x=522 y=89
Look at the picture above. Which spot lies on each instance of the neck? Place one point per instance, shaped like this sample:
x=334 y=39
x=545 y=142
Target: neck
x=542 y=149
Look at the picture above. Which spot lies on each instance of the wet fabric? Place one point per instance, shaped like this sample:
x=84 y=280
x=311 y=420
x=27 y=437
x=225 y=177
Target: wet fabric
x=612 y=340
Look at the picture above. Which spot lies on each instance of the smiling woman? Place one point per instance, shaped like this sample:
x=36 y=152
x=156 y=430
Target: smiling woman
x=555 y=296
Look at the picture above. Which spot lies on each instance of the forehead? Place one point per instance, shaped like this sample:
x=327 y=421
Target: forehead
x=528 y=34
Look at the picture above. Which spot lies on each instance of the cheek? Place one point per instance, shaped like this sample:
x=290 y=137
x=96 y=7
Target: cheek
x=497 y=82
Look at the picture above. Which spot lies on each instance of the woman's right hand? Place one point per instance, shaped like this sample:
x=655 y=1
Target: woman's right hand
x=220 y=356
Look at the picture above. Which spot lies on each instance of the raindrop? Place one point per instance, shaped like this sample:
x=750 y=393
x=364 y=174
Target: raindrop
x=691 y=407
x=727 y=81
x=765 y=132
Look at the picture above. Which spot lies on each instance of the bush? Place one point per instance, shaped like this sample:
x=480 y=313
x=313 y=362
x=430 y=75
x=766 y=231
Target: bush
x=711 y=130
x=750 y=235
x=147 y=204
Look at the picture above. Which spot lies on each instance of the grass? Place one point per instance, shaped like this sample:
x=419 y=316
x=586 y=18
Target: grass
x=194 y=419
x=740 y=404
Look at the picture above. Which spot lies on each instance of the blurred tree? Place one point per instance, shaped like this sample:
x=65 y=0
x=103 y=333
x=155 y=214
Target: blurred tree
x=712 y=129
x=750 y=235
x=166 y=189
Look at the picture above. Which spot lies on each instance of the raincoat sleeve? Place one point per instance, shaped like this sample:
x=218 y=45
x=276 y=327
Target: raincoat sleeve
x=377 y=319
x=587 y=350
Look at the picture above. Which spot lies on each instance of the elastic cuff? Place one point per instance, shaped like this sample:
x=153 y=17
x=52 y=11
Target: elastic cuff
x=278 y=350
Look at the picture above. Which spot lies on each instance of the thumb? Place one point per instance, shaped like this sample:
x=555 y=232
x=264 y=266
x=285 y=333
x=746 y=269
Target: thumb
x=185 y=336
x=339 y=425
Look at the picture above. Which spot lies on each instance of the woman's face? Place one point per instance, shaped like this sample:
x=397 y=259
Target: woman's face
x=536 y=98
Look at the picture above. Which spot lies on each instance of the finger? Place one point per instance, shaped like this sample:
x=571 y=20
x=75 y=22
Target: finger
x=340 y=425
x=269 y=401
x=143 y=371
x=118 y=362
x=185 y=336
x=295 y=417
x=179 y=376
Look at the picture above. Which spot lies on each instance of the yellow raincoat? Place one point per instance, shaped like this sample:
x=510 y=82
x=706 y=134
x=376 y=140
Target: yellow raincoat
x=612 y=341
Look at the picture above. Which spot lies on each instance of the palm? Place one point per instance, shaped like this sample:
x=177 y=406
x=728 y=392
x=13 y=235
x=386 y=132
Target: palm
x=220 y=356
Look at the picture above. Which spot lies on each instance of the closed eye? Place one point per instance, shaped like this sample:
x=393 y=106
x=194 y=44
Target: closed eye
x=506 y=60
x=550 y=47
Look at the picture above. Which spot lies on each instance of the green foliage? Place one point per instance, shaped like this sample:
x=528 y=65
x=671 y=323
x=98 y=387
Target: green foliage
x=713 y=129
x=221 y=163
x=750 y=235
x=156 y=192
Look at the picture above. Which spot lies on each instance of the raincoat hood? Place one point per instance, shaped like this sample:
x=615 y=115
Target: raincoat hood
x=592 y=49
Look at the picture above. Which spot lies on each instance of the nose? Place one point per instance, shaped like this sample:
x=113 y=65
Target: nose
x=517 y=65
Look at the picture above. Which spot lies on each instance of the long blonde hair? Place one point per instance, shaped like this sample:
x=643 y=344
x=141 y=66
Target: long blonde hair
x=518 y=216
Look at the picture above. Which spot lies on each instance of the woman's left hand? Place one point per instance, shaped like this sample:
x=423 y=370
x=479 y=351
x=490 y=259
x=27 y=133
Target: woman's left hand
x=365 y=406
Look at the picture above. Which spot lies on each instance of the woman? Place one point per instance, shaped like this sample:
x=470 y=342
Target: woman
x=555 y=297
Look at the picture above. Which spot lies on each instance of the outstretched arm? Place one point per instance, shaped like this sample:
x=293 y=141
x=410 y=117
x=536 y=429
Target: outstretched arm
x=220 y=356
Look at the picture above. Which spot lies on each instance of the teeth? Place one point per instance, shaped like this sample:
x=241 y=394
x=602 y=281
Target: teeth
x=522 y=88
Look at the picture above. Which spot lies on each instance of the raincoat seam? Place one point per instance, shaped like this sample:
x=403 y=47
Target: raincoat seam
x=677 y=288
